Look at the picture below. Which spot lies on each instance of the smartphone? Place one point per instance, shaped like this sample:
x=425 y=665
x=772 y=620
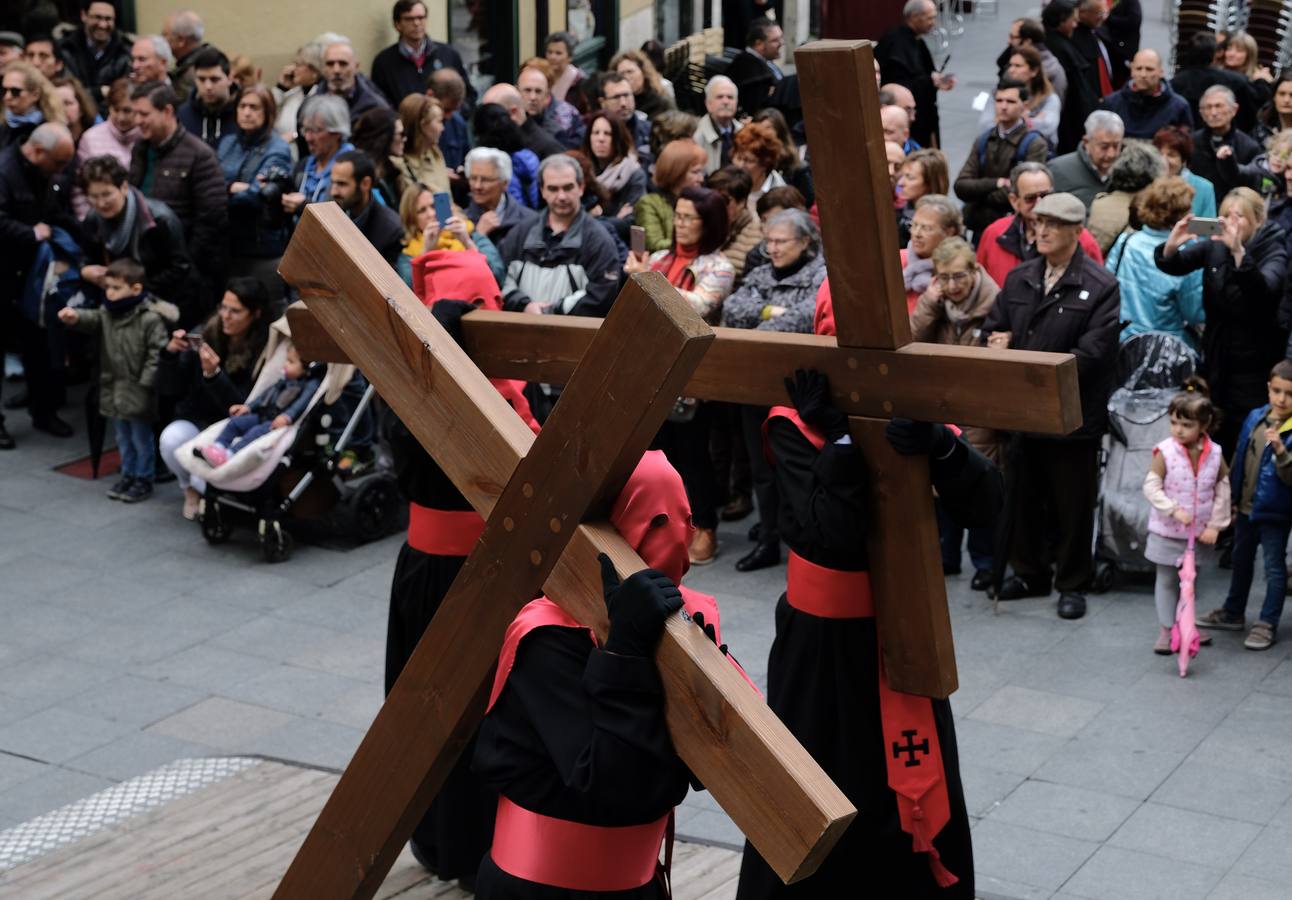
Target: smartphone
x=443 y=208
x=194 y=339
x=1205 y=227
x=637 y=239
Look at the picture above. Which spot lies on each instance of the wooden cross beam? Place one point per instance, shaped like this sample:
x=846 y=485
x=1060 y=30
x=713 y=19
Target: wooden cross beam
x=535 y=494
x=875 y=370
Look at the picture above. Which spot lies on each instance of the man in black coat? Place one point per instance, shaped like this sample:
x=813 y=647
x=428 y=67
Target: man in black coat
x=1060 y=20
x=96 y=53
x=1195 y=73
x=1062 y=301
x=353 y=175
x=343 y=78
x=405 y=66
x=29 y=204
x=759 y=81
x=1221 y=153
x=906 y=60
x=1088 y=39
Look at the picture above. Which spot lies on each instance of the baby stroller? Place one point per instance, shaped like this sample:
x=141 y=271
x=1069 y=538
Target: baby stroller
x=296 y=474
x=1150 y=369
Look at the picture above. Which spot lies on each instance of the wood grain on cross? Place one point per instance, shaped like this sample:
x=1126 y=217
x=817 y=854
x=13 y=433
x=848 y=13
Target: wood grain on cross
x=535 y=494
x=875 y=371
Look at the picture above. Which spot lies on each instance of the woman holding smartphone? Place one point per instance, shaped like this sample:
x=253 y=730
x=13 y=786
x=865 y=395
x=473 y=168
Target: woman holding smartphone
x=205 y=372
x=1244 y=267
x=703 y=275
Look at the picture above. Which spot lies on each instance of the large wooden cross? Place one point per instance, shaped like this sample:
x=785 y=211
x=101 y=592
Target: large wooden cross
x=875 y=371
x=535 y=494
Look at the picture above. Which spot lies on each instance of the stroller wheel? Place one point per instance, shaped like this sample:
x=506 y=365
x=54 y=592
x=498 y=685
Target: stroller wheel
x=275 y=542
x=373 y=510
x=214 y=528
x=1105 y=575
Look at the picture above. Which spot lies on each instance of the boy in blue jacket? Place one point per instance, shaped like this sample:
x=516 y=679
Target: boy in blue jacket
x=281 y=404
x=1261 y=480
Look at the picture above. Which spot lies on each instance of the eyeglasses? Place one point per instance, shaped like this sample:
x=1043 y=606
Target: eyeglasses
x=684 y=217
x=14 y=91
x=482 y=179
x=957 y=277
x=1034 y=196
x=922 y=228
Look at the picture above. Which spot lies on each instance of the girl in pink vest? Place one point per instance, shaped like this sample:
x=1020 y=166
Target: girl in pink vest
x=1188 y=488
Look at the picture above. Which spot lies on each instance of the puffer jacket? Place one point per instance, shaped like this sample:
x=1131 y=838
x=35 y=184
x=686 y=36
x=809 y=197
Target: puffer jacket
x=1152 y=300
x=244 y=160
x=129 y=349
x=185 y=175
x=746 y=233
x=1079 y=315
x=796 y=293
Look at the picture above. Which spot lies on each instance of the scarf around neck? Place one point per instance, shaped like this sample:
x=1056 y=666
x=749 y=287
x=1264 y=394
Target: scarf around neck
x=122 y=229
x=33 y=117
x=918 y=273
x=616 y=175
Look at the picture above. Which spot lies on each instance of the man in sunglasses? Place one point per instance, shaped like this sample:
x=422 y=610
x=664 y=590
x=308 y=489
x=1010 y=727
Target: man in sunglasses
x=1012 y=239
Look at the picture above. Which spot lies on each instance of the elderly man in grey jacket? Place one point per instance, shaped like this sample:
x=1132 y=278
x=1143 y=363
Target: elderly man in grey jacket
x=1084 y=172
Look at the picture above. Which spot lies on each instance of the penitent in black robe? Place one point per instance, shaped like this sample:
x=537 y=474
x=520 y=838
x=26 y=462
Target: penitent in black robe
x=457 y=829
x=578 y=734
x=823 y=677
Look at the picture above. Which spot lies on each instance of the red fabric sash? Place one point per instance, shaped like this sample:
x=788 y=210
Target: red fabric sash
x=816 y=438
x=912 y=750
x=572 y=855
x=443 y=532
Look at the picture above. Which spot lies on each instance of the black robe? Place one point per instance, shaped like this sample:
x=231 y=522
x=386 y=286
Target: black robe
x=457 y=829
x=823 y=679
x=905 y=59
x=578 y=734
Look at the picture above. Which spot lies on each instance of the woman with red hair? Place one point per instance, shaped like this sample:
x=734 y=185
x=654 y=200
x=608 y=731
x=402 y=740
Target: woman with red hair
x=680 y=164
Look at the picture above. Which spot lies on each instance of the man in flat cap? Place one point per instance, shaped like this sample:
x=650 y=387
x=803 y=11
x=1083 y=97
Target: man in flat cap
x=1061 y=301
x=11 y=47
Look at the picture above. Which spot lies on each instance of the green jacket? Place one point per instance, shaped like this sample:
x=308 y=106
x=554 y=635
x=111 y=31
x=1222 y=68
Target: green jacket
x=129 y=350
x=654 y=213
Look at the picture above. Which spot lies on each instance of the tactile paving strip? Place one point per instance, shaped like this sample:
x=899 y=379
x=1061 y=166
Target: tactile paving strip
x=25 y=842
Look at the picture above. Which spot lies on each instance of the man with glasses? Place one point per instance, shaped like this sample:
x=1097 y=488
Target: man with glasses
x=1065 y=302
x=1084 y=172
x=96 y=53
x=405 y=66
x=1012 y=239
x=491 y=210
x=342 y=78
x=617 y=100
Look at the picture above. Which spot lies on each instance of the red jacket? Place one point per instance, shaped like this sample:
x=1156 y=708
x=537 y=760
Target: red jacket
x=1000 y=249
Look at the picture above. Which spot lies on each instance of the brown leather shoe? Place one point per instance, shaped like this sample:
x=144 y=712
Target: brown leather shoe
x=704 y=546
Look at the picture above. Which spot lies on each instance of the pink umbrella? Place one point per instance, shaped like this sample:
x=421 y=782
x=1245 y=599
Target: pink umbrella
x=1185 y=638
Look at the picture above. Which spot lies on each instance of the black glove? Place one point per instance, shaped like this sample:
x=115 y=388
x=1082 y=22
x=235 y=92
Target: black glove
x=809 y=391
x=911 y=438
x=449 y=314
x=709 y=630
x=638 y=608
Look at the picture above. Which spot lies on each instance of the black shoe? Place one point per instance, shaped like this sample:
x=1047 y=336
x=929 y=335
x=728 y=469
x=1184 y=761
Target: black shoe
x=1071 y=606
x=18 y=400
x=764 y=555
x=52 y=424
x=423 y=858
x=119 y=490
x=6 y=442
x=740 y=506
x=139 y=490
x=981 y=580
x=1017 y=588
x=756 y=532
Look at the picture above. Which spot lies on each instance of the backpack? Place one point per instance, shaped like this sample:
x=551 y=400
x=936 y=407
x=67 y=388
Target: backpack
x=1020 y=153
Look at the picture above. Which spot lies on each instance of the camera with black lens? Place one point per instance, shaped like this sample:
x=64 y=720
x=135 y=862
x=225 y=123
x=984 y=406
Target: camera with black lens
x=277 y=182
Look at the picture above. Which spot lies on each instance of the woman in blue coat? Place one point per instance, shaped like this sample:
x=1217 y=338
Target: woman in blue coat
x=252 y=157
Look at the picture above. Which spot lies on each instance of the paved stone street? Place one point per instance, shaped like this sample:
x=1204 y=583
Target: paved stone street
x=1092 y=770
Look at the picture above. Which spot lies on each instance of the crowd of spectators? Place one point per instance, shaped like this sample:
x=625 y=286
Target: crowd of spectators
x=173 y=153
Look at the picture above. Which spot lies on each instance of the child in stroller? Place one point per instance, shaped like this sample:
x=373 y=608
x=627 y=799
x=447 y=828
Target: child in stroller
x=281 y=404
